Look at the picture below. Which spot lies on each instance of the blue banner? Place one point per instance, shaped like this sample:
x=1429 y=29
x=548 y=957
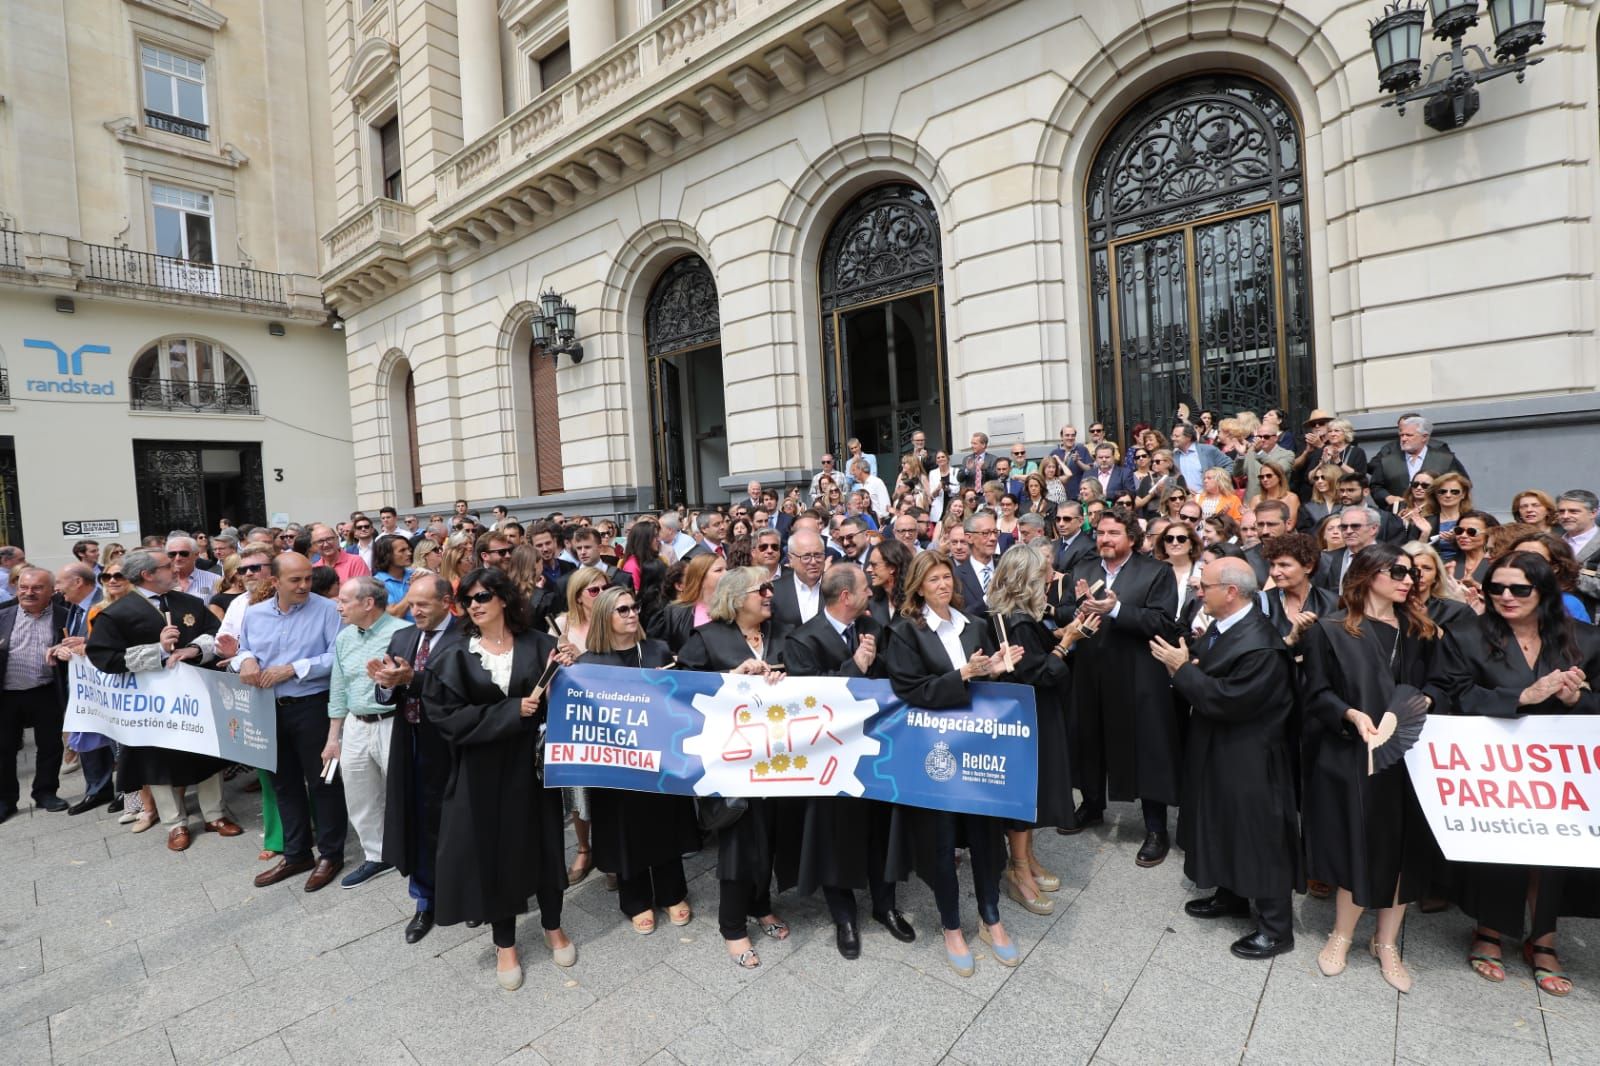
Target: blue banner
x=695 y=734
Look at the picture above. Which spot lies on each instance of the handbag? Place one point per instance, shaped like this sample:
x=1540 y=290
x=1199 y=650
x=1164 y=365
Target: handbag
x=716 y=813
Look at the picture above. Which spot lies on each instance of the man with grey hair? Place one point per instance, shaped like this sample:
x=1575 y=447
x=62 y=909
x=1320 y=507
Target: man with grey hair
x=1392 y=470
x=673 y=538
x=1237 y=824
x=973 y=575
x=359 y=727
x=713 y=527
x=1030 y=527
x=186 y=578
x=31 y=693
x=1359 y=525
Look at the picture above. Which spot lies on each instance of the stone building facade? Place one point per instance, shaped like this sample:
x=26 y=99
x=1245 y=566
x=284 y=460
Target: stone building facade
x=783 y=224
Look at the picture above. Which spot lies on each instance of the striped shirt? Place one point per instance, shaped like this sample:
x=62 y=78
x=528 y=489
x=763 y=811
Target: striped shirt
x=26 y=666
x=351 y=690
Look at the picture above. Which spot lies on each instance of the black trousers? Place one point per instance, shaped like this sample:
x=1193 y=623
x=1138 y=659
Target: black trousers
x=302 y=734
x=41 y=708
x=1274 y=914
x=98 y=766
x=739 y=901
x=986 y=864
x=659 y=886
x=842 y=901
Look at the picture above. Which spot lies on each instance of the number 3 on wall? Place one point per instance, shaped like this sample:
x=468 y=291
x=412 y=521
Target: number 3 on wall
x=277 y=473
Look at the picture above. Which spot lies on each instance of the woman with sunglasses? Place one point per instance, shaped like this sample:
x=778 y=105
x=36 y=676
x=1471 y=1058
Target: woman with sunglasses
x=205 y=558
x=1553 y=548
x=500 y=836
x=571 y=629
x=1534 y=508
x=740 y=638
x=1150 y=489
x=1471 y=536
x=1523 y=656
x=1173 y=497
x=1179 y=548
x=1274 y=482
x=138 y=808
x=1324 y=496
x=932 y=651
x=230 y=588
x=1442 y=596
x=1365 y=833
x=638 y=837
x=427 y=557
x=1449 y=498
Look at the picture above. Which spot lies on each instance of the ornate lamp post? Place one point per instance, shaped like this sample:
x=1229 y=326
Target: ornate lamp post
x=557 y=325
x=1452 y=98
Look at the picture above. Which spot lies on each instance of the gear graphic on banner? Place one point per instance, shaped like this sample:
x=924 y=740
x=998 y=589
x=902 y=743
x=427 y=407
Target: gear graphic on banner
x=783 y=739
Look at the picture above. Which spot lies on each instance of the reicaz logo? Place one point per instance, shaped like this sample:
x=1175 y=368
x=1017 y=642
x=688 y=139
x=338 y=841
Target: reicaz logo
x=70 y=365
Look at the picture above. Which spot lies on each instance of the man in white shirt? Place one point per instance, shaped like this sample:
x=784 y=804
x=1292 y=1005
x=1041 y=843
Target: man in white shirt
x=862 y=477
x=797 y=594
x=673 y=538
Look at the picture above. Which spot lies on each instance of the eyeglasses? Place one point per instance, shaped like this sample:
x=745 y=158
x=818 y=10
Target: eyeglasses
x=1181 y=538
x=1468 y=531
x=1400 y=572
x=1097 y=429
x=180 y=554
x=594 y=590
x=1495 y=588
x=766 y=547
x=626 y=609
x=827 y=460
x=110 y=575
x=808 y=557
x=1141 y=455
x=498 y=553
x=1352 y=527
x=763 y=590
x=1019 y=455
x=359 y=526
x=1418 y=483
x=475 y=597
x=251 y=568
x=1448 y=492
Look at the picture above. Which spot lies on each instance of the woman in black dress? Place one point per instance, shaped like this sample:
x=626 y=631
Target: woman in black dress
x=1293 y=602
x=1362 y=832
x=1524 y=655
x=1016 y=608
x=641 y=837
x=933 y=650
x=740 y=639
x=888 y=562
x=500 y=838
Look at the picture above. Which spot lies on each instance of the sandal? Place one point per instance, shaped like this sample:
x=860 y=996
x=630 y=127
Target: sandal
x=1394 y=971
x=143 y=822
x=777 y=930
x=1545 y=976
x=266 y=856
x=1333 y=965
x=680 y=913
x=581 y=867
x=1489 y=967
x=644 y=923
x=747 y=959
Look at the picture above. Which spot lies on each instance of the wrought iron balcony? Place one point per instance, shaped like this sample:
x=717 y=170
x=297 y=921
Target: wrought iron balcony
x=148 y=394
x=5 y=385
x=156 y=120
x=146 y=270
x=10 y=248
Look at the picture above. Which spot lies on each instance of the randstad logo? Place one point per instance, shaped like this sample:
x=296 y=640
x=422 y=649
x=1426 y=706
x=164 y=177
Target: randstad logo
x=70 y=365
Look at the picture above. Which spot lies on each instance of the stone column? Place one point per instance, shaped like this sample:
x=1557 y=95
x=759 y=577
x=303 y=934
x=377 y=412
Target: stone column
x=591 y=29
x=482 y=102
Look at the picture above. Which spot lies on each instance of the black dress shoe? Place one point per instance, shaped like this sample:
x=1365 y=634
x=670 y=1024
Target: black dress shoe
x=472 y=923
x=1259 y=945
x=897 y=925
x=1218 y=906
x=1154 y=851
x=1084 y=817
x=117 y=805
x=848 y=937
x=89 y=803
x=418 y=926
x=53 y=804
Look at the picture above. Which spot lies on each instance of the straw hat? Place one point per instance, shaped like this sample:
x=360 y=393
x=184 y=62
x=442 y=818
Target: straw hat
x=1318 y=417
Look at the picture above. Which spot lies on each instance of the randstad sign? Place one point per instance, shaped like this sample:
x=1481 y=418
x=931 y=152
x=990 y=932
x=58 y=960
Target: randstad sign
x=69 y=370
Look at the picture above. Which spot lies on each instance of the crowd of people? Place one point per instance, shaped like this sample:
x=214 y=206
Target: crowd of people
x=1212 y=620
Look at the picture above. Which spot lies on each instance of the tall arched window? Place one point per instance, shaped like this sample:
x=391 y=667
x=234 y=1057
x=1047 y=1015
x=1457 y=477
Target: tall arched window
x=412 y=448
x=1196 y=224
x=683 y=336
x=190 y=374
x=400 y=401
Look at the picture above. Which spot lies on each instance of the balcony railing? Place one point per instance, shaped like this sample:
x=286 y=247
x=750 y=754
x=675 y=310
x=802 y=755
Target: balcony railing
x=5 y=385
x=146 y=394
x=146 y=270
x=173 y=124
x=10 y=248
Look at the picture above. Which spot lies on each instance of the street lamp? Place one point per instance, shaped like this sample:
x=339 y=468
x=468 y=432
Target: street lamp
x=1452 y=99
x=555 y=325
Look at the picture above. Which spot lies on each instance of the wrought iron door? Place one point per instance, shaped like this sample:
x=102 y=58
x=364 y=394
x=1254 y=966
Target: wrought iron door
x=681 y=317
x=10 y=495
x=1196 y=258
x=175 y=493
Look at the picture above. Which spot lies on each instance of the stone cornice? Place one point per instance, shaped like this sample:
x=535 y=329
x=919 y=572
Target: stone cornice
x=191 y=11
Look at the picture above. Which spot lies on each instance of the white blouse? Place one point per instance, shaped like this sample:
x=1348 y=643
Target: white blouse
x=949 y=634
x=498 y=666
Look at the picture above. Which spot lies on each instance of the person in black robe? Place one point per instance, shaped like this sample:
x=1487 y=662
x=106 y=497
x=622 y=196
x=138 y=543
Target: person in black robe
x=1016 y=611
x=419 y=758
x=500 y=834
x=847 y=843
x=890 y=559
x=1294 y=601
x=640 y=837
x=1365 y=833
x=765 y=840
x=141 y=632
x=1238 y=826
x=933 y=649
x=1126 y=735
x=1524 y=655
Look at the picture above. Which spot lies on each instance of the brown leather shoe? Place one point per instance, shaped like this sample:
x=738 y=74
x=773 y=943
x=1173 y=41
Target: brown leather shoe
x=225 y=827
x=178 y=838
x=326 y=871
x=282 y=871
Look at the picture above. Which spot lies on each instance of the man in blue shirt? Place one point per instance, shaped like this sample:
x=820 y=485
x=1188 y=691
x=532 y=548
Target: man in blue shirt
x=287 y=645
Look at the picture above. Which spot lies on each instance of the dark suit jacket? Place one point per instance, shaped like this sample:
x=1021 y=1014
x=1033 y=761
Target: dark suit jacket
x=786 y=602
x=401 y=786
x=1328 y=568
x=815 y=650
x=1387 y=471
x=697 y=550
x=1121 y=481
x=58 y=625
x=1066 y=556
x=132 y=621
x=985 y=472
x=972 y=599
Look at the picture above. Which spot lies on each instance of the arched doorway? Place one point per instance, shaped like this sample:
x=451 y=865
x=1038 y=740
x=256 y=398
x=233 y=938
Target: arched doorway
x=683 y=338
x=882 y=284
x=1197 y=259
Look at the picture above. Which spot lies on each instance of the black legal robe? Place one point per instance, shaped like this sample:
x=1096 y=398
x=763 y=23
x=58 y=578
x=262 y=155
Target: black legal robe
x=765 y=841
x=500 y=835
x=1051 y=680
x=1472 y=676
x=633 y=831
x=674 y=626
x=1125 y=727
x=404 y=839
x=1238 y=825
x=921 y=673
x=845 y=842
x=1319 y=601
x=131 y=622
x=1364 y=833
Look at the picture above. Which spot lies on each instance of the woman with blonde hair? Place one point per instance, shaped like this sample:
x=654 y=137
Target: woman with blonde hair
x=1442 y=596
x=692 y=608
x=1217 y=495
x=453 y=561
x=1535 y=508
x=1449 y=498
x=1055 y=479
x=1324 y=492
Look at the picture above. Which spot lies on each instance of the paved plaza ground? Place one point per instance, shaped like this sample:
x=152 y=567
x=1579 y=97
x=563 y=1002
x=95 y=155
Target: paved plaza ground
x=114 y=950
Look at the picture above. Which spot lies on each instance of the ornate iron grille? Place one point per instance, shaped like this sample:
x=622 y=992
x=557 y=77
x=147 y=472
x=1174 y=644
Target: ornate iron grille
x=1197 y=265
x=683 y=312
x=156 y=120
x=146 y=270
x=146 y=394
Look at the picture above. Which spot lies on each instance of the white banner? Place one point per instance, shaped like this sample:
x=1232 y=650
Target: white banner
x=1511 y=790
x=207 y=712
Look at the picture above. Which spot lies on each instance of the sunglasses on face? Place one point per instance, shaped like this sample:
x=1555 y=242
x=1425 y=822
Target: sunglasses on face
x=766 y=547
x=476 y=597
x=1468 y=531
x=1448 y=492
x=359 y=527
x=626 y=609
x=1495 y=588
x=1180 y=496
x=1356 y=527
x=763 y=590
x=1181 y=538
x=594 y=590
x=498 y=553
x=180 y=554
x=252 y=568
x=1420 y=484
x=1398 y=572
x=111 y=576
